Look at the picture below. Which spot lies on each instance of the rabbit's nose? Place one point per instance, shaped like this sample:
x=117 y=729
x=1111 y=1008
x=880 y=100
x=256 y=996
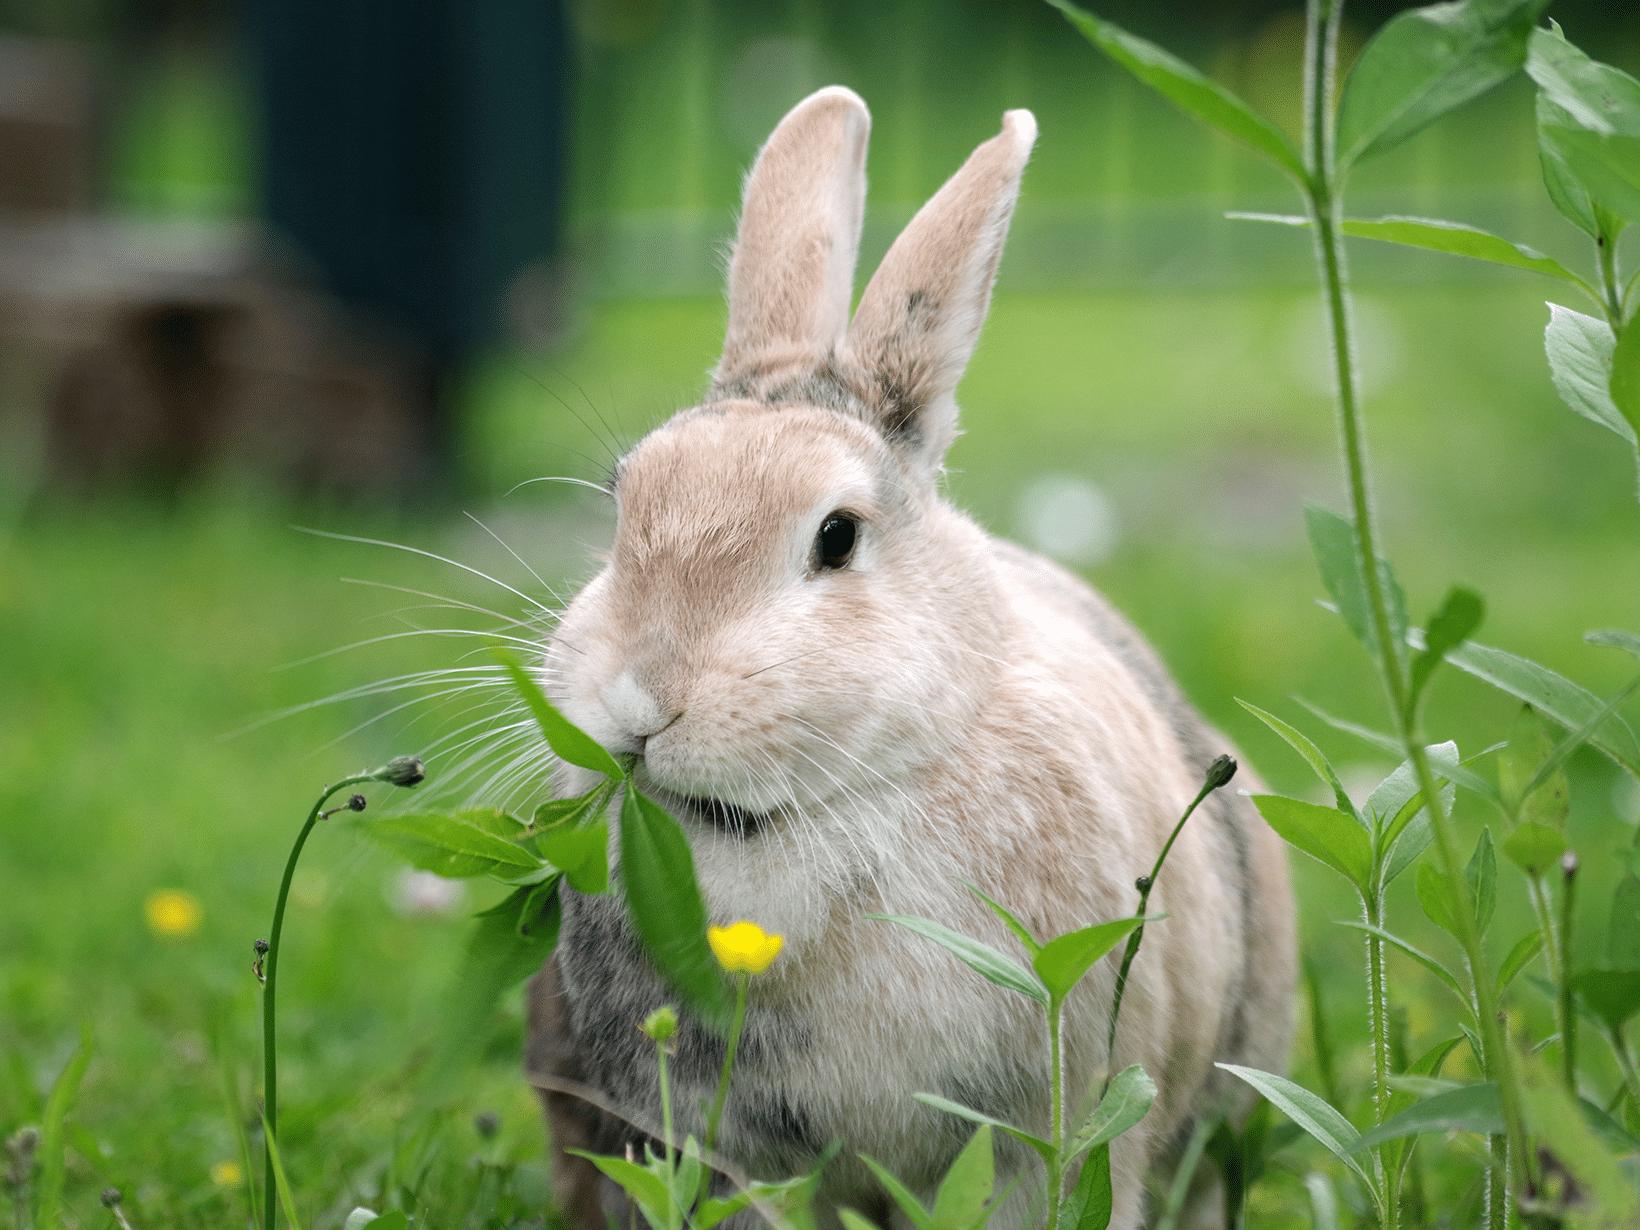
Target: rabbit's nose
x=634 y=708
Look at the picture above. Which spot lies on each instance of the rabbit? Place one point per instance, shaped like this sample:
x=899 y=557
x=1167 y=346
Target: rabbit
x=855 y=701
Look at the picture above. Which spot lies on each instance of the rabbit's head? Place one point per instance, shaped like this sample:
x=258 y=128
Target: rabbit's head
x=791 y=616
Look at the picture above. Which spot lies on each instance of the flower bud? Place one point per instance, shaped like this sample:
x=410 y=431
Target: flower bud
x=401 y=771
x=356 y=802
x=661 y=1025
x=1220 y=772
x=487 y=1123
x=111 y=1197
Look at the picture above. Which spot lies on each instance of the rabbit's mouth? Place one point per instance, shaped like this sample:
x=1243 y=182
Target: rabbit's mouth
x=726 y=816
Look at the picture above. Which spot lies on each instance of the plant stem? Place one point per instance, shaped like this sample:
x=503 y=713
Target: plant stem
x=1553 y=953
x=739 y=1024
x=1218 y=774
x=1056 y=1081
x=1625 y=1064
x=270 y=1053
x=1568 y=1018
x=1605 y=247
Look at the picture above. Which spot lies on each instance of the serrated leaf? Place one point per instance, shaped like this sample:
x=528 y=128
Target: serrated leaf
x=959 y=1204
x=1324 y=833
x=1091 y=1201
x=1189 y=90
x=1126 y=1102
x=1042 y=1147
x=1022 y=933
x=1063 y=961
x=449 y=845
x=1470 y=1108
x=664 y=901
x=1313 y=756
x=1527 y=947
x=1449 y=627
x=1550 y=694
x=1316 y=1117
x=1458 y=239
x=1481 y=874
x=567 y=740
x=1580 y=350
x=1534 y=848
x=981 y=958
x=1424 y=63
x=1422 y=958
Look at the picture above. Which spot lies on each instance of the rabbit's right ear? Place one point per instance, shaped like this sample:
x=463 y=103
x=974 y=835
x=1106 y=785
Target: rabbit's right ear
x=791 y=278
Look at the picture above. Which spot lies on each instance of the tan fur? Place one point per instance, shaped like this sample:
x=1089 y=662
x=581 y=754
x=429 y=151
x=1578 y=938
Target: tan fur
x=945 y=708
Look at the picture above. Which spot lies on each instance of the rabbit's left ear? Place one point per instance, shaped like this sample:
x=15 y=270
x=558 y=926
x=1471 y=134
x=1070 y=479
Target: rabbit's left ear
x=921 y=314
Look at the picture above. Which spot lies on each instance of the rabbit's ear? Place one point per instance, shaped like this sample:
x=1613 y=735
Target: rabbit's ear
x=920 y=316
x=791 y=278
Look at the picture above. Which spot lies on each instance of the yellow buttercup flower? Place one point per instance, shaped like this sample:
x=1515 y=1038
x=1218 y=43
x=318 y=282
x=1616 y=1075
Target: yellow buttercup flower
x=744 y=947
x=173 y=914
x=227 y=1174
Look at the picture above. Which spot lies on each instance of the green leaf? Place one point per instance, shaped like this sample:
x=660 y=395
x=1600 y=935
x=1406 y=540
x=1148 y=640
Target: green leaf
x=1436 y=896
x=1337 y=552
x=1311 y=753
x=53 y=1161
x=1388 y=744
x=582 y=852
x=960 y=1201
x=1521 y=764
x=663 y=899
x=281 y=1181
x=1459 y=239
x=1091 y=1201
x=1569 y=195
x=1324 y=833
x=901 y=1195
x=1428 y=1065
x=567 y=740
x=450 y=845
x=1613 y=995
x=1021 y=932
x=1470 y=1108
x=981 y=958
x=1617 y=638
x=1422 y=958
x=1189 y=90
x=1315 y=1116
x=396 y=1220
x=1449 y=627
x=1481 y=873
x=509 y=942
x=1527 y=947
x=1592 y=122
x=1127 y=1101
x=647 y=1190
x=1550 y=694
x=853 y=1221
x=555 y=812
x=1042 y=1147
x=1063 y=961
x=1408 y=844
x=1580 y=350
x=1424 y=63
x=1625 y=382
x=1534 y=848
x=1623 y=935
x=1606 y=1194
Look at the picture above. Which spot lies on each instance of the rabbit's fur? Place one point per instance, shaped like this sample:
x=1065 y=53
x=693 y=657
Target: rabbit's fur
x=851 y=740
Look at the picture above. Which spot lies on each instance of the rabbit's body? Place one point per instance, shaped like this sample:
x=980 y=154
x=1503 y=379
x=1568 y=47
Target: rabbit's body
x=854 y=732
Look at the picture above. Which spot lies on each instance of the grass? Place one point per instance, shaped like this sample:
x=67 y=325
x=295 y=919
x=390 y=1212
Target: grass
x=138 y=641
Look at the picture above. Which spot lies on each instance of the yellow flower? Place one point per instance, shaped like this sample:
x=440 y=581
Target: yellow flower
x=744 y=946
x=227 y=1174
x=173 y=914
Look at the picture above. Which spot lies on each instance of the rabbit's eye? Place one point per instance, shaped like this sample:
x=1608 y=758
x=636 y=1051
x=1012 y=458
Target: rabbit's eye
x=834 y=544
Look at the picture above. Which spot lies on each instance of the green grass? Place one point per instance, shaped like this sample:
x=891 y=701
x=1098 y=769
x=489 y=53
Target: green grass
x=137 y=642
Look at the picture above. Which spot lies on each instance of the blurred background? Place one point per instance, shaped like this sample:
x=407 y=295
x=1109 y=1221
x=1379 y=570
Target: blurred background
x=373 y=266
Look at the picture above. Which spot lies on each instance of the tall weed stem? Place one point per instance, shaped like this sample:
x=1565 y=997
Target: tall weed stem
x=742 y=988
x=270 y=1051
x=1325 y=207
